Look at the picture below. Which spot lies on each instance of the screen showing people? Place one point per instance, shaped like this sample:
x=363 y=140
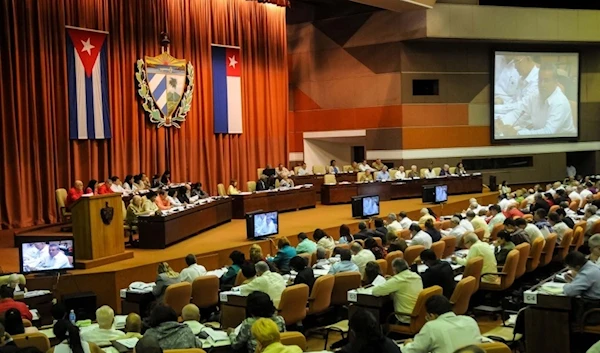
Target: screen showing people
x=47 y=256
x=535 y=95
x=266 y=224
x=370 y=206
x=441 y=193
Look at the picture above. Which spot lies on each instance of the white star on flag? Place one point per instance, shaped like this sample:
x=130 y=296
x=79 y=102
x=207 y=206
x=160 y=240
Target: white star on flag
x=87 y=46
x=232 y=61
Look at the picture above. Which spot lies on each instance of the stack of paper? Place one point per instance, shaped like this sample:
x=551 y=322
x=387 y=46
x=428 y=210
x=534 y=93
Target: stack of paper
x=216 y=335
x=120 y=321
x=553 y=288
x=36 y=293
x=129 y=342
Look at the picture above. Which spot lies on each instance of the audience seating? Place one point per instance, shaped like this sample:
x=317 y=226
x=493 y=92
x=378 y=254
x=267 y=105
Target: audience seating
x=574 y=206
x=129 y=229
x=504 y=334
x=251 y=186
x=533 y=261
x=293 y=338
x=474 y=268
x=383 y=266
x=389 y=258
x=341 y=327
x=319 y=169
x=563 y=249
x=343 y=282
x=329 y=179
x=497 y=228
x=450 y=245
x=239 y=279
x=417 y=317
x=313 y=258
x=462 y=295
x=438 y=248
x=578 y=237
x=446 y=224
x=320 y=296
x=359 y=175
x=553 y=208
x=289 y=309
x=343 y=246
x=412 y=252
x=360 y=241
x=494 y=347
x=347 y=168
x=178 y=295
x=27 y=323
x=259 y=172
x=528 y=217
x=437 y=225
x=548 y=251
x=480 y=233
x=35 y=339
x=61 y=199
x=405 y=234
x=308 y=257
x=506 y=277
x=205 y=291
x=523 y=249
x=595 y=227
x=221 y=190
x=378 y=241
x=523 y=204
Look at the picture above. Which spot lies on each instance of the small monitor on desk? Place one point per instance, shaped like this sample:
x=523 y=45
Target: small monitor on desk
x=52 y=255
x=261 y=224
x=435 y=193
x=365 y=206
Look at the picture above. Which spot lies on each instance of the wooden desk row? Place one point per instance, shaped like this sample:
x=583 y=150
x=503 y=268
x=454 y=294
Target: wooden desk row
x=280 y=200
x=158 y=232
x=393 y=190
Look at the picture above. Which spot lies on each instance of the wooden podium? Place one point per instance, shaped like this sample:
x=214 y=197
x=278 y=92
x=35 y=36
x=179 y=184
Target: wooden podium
x=98 y=230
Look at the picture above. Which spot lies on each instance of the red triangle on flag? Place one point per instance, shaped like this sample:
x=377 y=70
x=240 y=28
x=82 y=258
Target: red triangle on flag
x=87 y=45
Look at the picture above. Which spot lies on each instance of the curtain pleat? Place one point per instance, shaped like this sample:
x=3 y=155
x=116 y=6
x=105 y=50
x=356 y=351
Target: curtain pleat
x=36 y=154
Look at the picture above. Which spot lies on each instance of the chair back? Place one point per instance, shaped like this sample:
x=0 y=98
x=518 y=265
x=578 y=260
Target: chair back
x=595 y=227
x=61 y=199
x=452 y=170
x=205 y=291
x=574 y=206
x=422 y=172
x=473 y=268
x=393 y=174
x=35 y=339
x=342 y=246
x=27 y=323
x=239 y=279
x=535 y=254
x=346 y=168
x=378 y=241
x=528 y=217
x=412 y=252
x=320 y=296
x=329 y=179
x=480 y=233
x=360 y=241
x=438 y=248
x=494 y=347
x=437 y=170
x=292 y=306
x=523 y=204
x=449 y=245
x=524 y=249
x=186 y=350
x=178 y=295
x=462 y=295
x=405 y=234
x=389 y=258
x=497 y=228
x=510 y=268
x=251 y=186
x=383 y=266
x=343 y=282
x=578 y=237
x=308 y=257
x=553 y=208
x=319 y=169
x=417 y=318
x=359 y=175
x=564 y=247
x=446 y=224
x=293 y=338
x=221 y=189
x=437 y=225
x=548 y=251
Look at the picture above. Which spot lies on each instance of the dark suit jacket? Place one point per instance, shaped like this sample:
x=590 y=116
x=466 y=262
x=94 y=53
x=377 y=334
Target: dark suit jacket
x=540 y=204
x=440 y=274
x=435 y=234
x=261 y=185
x=382 y=233
x=307 y=277
x=364 y=234
x=183 y=198
x=568 y=221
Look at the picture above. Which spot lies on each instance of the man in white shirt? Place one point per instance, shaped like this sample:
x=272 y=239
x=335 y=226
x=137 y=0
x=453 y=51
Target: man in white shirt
x=497 y=217
x=425 y=216
x=478 y=223
x=364 y=166
x=105 y=332
x=360 y=257
x=458 y=228
x=393 y=224
x=545 y=113
x=590 y=217
x=419 y=237
x=559 y=227
x=444 y=331
x=573 y=193
x=400 y=174
x=303 y=170
x=530 y=229
x=585 y=192
x=383 y=175
x=56 y=259
x=503 y=202
x=117 y=185
x=267 y=282
x=191 y=317
x=429 y=173
x=193 y=271
x=405 y=222
x=35 y=254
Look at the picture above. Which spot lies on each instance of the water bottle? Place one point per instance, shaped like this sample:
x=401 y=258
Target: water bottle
x=72 y=317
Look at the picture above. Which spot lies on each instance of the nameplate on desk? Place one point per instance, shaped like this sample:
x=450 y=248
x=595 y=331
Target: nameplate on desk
x=352 y=296
x=530 y=297
x=223 y=296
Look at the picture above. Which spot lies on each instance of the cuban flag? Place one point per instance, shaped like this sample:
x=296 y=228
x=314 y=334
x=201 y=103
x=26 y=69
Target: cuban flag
x=88 y=84
x=227 y=89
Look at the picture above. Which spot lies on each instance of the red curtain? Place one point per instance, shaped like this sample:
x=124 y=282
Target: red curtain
x=36 y=154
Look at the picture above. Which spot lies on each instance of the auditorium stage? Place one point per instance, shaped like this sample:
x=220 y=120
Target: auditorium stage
x=213 y=247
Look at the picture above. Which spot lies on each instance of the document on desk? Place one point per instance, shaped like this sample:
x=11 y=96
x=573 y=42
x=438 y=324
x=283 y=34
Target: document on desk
x=36 y=293
x=553 y=288
x=120 y=321
x=35 y=314
x=218 y=272
x=320 y=272
x=378 y=280
x=110 y=349
x=216 y=335
x=49 y=332
x=129 y=342
x=223 y=295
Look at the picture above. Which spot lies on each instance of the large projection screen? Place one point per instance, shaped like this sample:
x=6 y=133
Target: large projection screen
x=535 y=96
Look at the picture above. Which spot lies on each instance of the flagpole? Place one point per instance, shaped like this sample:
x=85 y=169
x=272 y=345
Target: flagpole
x=164 y=43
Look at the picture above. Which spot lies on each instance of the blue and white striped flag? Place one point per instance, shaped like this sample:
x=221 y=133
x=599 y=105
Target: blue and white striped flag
x=227 y=89
x=88 y=84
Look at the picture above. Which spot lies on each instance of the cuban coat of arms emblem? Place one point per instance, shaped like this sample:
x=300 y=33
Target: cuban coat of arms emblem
x=162 y=86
